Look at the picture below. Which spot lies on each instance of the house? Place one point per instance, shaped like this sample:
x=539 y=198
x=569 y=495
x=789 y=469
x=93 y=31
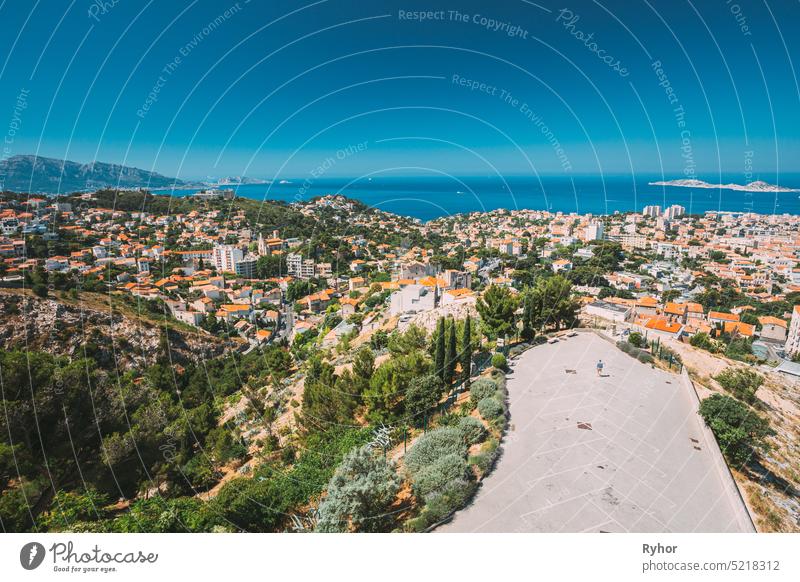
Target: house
x=412 y=299
x=348 y=306
x=186 y=316
x=561 y=265
x=738 y=328
x=719 y=318
x=232 y=311
x=458 y=296
x=262 y=336
x=694 y=312
x=772 y=329
x=317 y=302
x=675 y=312
x=646 y=306
x=609 y=311
x=663 y=327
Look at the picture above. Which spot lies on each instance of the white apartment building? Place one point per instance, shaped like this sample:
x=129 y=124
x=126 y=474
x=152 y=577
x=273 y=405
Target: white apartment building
x=594 y=231
x=793 y=339
x=226 y=256
x=299 y=267
x=674 y=211
x=651 y=210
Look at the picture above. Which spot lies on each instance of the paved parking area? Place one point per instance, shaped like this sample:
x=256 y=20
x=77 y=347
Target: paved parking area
x=619 y=453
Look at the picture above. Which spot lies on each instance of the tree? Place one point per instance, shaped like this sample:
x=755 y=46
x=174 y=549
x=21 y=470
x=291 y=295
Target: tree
x=496 y=309
x=439 y=349
x=741 y=432
x=327 y=400
x=360 y=494
x=423 y=394
x=379 y=340
x=413 y=339
x=363 y=368
x=558 y=306
x=252 y=505
x=740 y=382
x=387 y=388
x=451 y=354
x=528 y=332
x=636 y=339
x=670 y=295
x=466 y=350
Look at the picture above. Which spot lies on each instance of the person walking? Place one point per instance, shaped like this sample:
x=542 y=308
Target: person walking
x=600 y=367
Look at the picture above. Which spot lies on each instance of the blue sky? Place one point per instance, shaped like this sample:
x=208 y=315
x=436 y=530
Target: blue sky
x=344 y=88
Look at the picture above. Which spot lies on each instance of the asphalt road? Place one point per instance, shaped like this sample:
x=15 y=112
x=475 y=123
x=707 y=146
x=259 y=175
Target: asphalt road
x=587 y=454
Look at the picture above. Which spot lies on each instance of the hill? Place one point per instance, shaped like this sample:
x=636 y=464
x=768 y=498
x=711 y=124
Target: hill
x=27 y=173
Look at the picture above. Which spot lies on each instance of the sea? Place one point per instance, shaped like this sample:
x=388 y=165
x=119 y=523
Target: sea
x=427 y=198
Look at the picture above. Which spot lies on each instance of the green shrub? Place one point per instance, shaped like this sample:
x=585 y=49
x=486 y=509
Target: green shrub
x=740 y=432
x=740 y=382
x=490 y=408
x=449 y=419
x=636 y=339
x=499 y=361
x=436 y=476
x=488 y=455
x=645 y=358
x=433 y=446
x=439 y=505
x=472 y=430
x=360 y=494
x=482 y=388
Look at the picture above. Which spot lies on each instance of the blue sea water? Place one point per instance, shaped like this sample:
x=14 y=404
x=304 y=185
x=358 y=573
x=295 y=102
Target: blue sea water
x=429 y=198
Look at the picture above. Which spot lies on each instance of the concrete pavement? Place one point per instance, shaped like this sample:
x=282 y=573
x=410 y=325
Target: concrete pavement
x=621 y=453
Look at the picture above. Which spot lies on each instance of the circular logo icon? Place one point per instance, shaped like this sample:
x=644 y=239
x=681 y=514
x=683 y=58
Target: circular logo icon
x=31 y=555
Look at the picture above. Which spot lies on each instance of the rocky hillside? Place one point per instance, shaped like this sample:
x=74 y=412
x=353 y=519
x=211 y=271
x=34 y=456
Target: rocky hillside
x=49 y=175
x=114 y=338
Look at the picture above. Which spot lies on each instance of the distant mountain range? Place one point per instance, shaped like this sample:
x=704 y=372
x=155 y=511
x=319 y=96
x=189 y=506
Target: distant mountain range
x=757 y=186
x=35 y=174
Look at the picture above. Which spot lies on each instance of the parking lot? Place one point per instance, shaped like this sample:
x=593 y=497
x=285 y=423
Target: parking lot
x=624 y=452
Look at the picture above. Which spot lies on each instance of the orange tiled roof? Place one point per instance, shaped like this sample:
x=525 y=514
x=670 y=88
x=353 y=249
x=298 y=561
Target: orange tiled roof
x=722 y=316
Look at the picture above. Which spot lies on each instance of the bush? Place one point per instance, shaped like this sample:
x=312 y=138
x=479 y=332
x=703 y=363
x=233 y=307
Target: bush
x=741 y=432
x=702 y=341
x=740 y=382
x=482 y=388
x=439 y=505
x=488 y=455
x=437 y=476
x=360 y=494
x=433 y=446
x=499 y=361
x=625 y=347
x=472 y=430
x=644 y=357
x=636 y=339
x=490 y=408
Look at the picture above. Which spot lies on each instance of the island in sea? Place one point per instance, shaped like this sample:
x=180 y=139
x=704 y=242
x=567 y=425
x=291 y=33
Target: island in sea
x=757 y=186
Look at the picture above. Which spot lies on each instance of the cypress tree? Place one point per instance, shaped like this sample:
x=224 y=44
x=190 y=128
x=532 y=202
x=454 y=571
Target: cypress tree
x=466 y=350
x=452 y=354
x=527 y=317
x=439 y=362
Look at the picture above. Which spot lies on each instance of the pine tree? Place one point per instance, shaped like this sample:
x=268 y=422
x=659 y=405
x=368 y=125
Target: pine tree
x=527 y=317
x=452 y=354
x=439 y=361
x=466 y=350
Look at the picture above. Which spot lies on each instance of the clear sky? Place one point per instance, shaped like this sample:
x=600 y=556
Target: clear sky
x=345 y=88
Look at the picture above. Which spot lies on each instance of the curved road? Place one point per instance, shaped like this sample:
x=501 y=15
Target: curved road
x=625 y=452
